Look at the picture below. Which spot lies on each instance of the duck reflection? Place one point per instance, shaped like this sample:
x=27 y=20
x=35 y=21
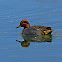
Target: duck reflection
x=34 y=38
x=24 y=43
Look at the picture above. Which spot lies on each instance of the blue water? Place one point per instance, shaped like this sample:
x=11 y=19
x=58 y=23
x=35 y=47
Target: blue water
x=38 y=12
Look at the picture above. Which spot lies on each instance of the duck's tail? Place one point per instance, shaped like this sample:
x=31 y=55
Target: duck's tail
x=48 y=31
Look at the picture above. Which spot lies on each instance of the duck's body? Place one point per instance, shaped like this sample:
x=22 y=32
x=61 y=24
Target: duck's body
x=34 y=30
x=37 y=30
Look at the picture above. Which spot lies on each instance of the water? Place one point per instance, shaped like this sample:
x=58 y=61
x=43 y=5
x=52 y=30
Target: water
x=38 y=12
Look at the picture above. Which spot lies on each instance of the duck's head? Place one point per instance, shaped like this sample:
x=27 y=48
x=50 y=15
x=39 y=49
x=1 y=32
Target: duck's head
x=24 y=23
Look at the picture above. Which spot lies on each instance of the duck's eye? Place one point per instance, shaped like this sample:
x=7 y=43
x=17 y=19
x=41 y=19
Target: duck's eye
x=26 y=22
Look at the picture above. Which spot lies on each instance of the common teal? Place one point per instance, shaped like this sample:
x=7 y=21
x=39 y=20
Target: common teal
x=34 y=30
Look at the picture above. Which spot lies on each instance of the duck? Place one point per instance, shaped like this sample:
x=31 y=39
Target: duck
x=34 y=30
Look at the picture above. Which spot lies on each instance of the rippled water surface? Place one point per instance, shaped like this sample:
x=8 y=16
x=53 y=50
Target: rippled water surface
x=14 y=47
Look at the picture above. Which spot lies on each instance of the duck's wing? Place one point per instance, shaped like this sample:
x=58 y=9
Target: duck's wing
x=46 y=30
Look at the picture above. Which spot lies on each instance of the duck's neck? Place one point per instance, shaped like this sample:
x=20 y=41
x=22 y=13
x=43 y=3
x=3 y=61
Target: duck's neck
x=27 y=26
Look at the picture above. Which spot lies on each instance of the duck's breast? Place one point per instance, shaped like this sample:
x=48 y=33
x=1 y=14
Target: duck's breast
x=30 y=31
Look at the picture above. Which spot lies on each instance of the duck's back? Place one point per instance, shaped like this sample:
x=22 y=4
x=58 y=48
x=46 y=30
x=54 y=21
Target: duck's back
x=37 y=30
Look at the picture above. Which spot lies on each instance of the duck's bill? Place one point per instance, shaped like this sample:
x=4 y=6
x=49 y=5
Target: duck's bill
x=18 y=26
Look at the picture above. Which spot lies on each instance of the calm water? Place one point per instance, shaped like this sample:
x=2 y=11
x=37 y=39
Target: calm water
x=38 y=12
